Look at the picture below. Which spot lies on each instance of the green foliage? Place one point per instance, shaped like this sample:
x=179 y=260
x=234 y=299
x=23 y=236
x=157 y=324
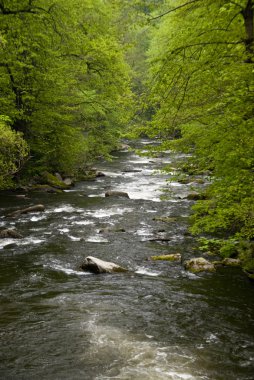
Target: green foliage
x=63 y=78
x=202 y=89
x=13 y=152
x=222 y=247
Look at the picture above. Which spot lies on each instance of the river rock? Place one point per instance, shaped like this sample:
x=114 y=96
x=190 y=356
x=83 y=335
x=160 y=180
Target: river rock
x=228 y=261
x=100 y=174
x=68 y=181
x=169 y=257
x=10 y=233
x=97 y=266
x=58 y=176
x=35 y=208
x=165 y=219
x=111 y=229
x=45 y=189
x=131 y=170
x=115 y=193
x=124 y=147
x=21 y=196
x=199 y=264
x=53 y=180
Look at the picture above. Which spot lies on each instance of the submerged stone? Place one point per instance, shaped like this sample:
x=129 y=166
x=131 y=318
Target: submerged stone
x=10 y=233
x=115 y=193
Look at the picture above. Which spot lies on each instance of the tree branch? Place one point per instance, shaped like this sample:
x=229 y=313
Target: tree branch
x=30 y=8
x=206 y=43
x=174 y=9
x=238 y=5
x=7 y=11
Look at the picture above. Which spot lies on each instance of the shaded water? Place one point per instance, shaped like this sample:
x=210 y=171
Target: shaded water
x=154 y=322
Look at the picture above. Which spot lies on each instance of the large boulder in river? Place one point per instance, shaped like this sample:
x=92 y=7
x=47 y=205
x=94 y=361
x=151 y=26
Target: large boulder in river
x=199 y=264
x=97 y=266
x=115 y=193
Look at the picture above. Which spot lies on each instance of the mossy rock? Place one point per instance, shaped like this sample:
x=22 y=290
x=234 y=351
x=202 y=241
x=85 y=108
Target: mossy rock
x=196 y=196
x=45 y=188
x=200 y=181
x=199 y=264
x=52 y=180
x=228 y=262
x=248 y=268
x=165 y=219
x=250 y=275
x=170 y=257
x=87 y=175
x=184 y=180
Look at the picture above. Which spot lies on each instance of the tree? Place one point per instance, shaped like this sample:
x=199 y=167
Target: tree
x=13 y=152
x=201 y=61
x=65 y=84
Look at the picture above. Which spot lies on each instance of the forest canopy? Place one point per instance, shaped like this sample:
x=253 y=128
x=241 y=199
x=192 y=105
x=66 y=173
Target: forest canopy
x=65 y=85
x=201 y=88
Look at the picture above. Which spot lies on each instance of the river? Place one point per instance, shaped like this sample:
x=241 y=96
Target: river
x=156 y=321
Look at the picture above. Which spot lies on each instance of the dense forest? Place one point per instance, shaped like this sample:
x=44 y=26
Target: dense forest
x=76 y=75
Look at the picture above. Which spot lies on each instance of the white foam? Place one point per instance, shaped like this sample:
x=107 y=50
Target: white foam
x=102 y=213
x=68 y=270
x=4 y=242
x=176 y=375
x=139 y=358
x=36 y=218
x=65 y=208
x=74 y=238
x=143 y=232
x=147 y=272
x=112 y=174
x=63 y=230
x=96 y=239
x=83 y=222
x=30 y=240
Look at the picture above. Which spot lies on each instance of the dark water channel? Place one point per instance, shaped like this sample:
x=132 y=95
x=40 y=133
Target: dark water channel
x=154 y=322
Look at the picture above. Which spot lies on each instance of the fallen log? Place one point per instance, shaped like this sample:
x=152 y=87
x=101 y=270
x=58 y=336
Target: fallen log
x=35 y=208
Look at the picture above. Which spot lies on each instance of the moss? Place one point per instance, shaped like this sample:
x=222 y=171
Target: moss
x=165 y=219
x=88 y=175
x=199 y=264
x=45 y=188
x=249 y=266
x=170 y=257
x=53 y=181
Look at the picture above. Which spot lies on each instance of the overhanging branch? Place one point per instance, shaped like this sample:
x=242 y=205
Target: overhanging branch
x=174 y=9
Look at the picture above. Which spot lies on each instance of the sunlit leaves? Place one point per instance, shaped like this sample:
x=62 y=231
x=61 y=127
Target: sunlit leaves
x=202 y=86
x=64 y=80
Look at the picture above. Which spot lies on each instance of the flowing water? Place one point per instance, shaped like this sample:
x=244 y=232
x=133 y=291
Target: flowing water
x=156 y=321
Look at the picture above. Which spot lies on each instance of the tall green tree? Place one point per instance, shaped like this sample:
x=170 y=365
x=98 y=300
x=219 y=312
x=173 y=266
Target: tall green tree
x=64 y=82
x=202 y=81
